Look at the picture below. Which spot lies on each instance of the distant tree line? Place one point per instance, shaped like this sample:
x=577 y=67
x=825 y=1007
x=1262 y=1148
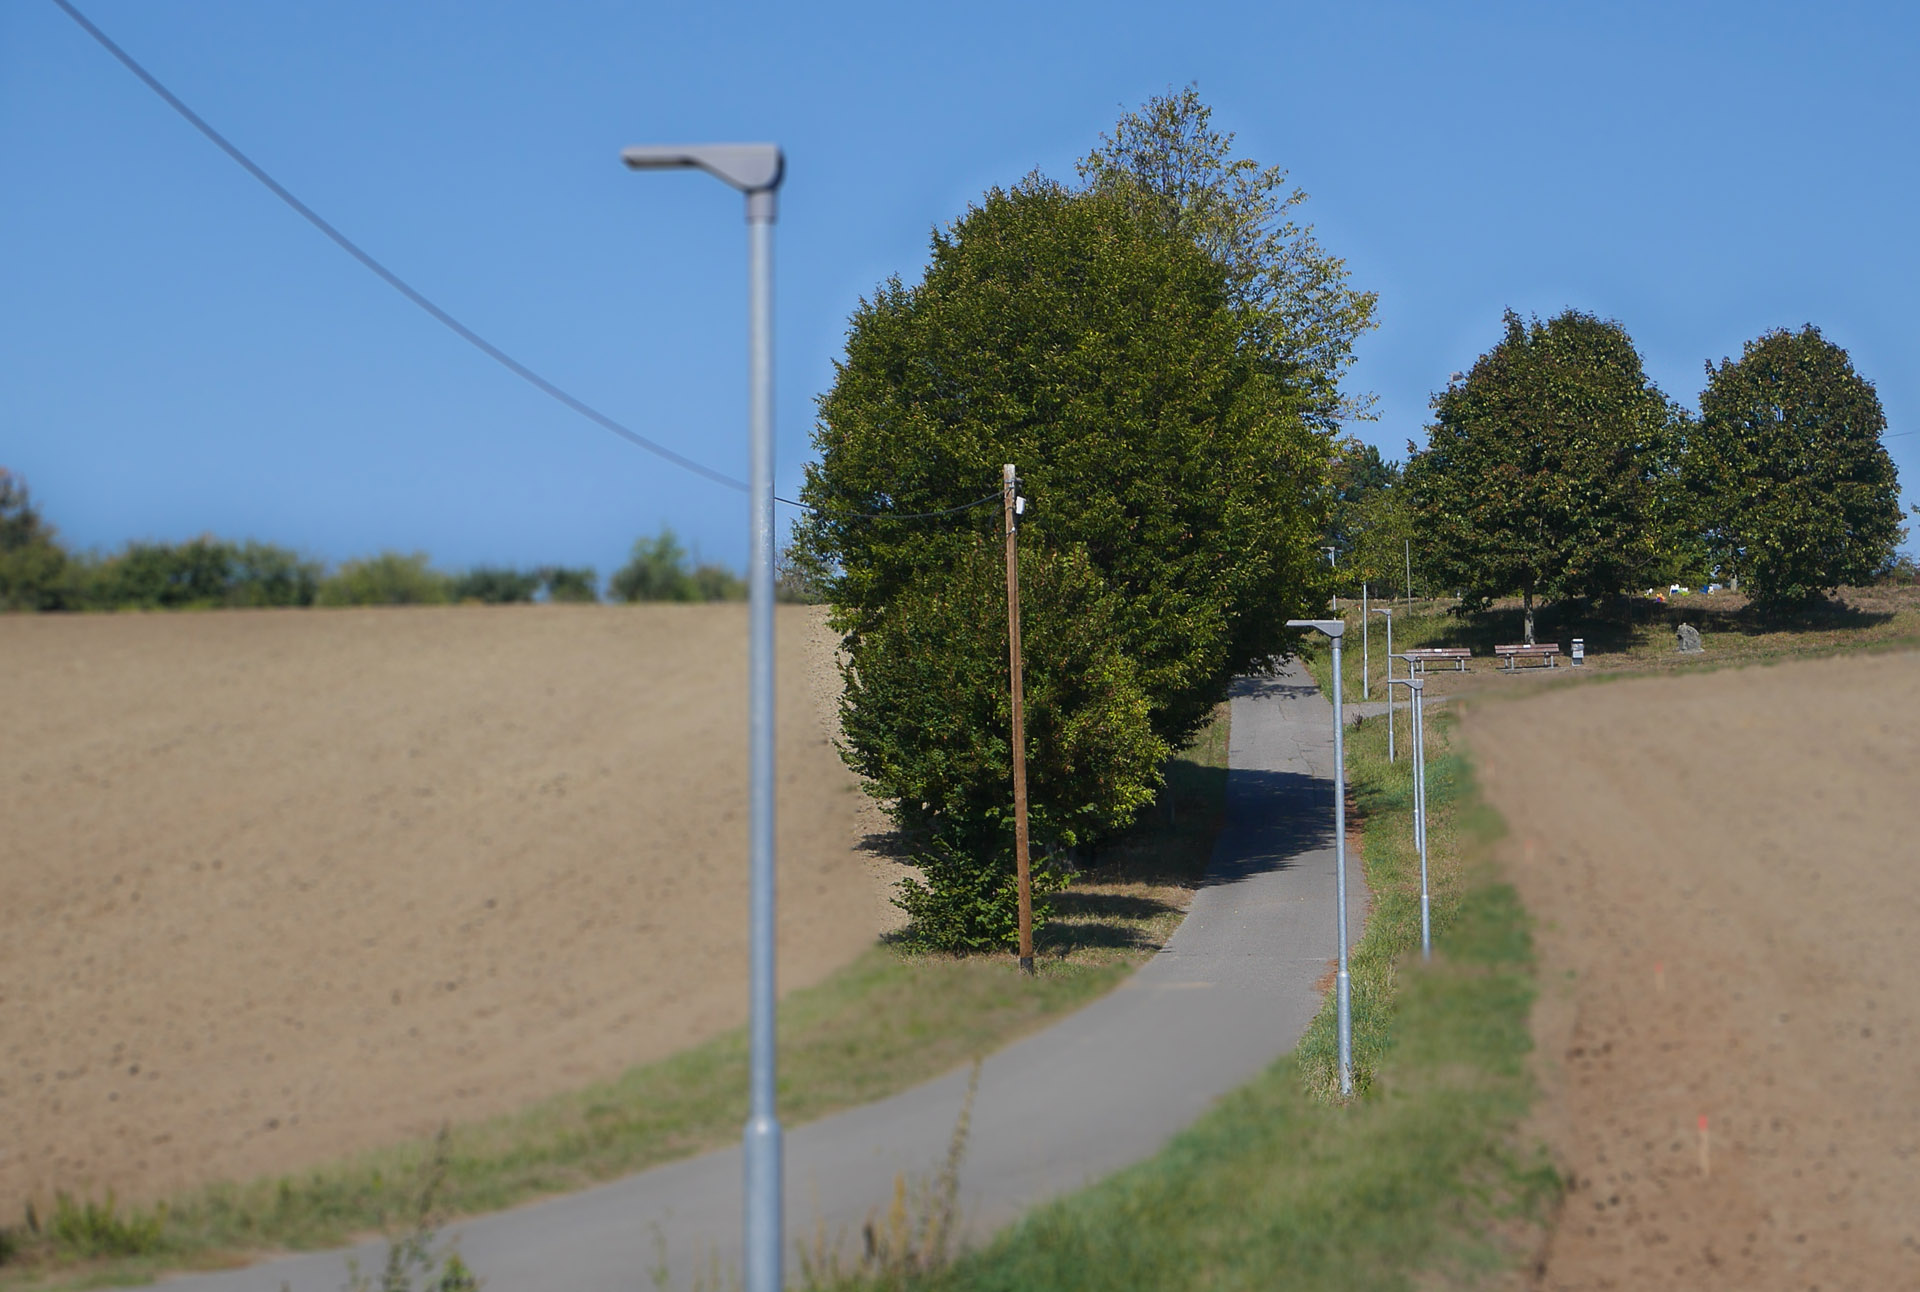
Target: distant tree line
x=37 y=572
x=1557 y=470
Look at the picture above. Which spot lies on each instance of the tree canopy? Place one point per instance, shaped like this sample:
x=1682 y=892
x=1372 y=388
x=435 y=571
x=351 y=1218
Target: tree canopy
x=1795 y=492
x=1296 y=306
x=1367 y=520
x=1547 y=472
x=1176 y=486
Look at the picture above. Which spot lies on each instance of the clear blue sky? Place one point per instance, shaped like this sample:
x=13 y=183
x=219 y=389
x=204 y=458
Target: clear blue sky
x=179 y=353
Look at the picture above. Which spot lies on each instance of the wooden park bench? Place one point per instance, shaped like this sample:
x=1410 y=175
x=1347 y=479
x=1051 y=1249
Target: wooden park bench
x=1513 y=654
x=1423 y=657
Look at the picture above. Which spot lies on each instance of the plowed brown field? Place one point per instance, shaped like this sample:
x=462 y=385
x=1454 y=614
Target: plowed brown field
x=280 y=885
x=1725 y=874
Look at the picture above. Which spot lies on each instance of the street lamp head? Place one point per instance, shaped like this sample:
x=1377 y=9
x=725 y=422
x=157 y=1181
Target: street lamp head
x=754 y=169
x=1334 y=628
x=1384 y=610
x=751 y=168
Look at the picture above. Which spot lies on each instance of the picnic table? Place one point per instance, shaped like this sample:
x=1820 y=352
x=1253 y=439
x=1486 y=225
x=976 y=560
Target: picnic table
x=1513 y=654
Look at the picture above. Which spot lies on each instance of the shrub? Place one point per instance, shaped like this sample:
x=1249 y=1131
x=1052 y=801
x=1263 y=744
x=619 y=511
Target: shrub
x=35 y=573
x=495 y=585
x=91 y=1229
x=927 y=720
x=389 y=579
x=265 y=574
x=570 y=583
x=718 y=583
x=165 y=576
x=200 y=573
x=657 y=571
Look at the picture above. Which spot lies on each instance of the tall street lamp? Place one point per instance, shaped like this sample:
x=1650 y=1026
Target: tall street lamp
x=1418 y=688
x=1335 y=629
x=756 y=170
x=1388 y=612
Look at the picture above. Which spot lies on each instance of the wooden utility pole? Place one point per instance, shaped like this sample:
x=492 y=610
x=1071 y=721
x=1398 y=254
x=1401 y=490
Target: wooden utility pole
x=1010 y=503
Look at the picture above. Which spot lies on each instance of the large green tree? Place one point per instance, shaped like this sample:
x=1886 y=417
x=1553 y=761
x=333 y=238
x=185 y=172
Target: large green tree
x=1548 y=470
x=1795 y=493
x=1173 y=473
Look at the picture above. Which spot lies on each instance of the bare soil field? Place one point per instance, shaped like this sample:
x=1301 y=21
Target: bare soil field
x=278 y=886
x=1722 y=868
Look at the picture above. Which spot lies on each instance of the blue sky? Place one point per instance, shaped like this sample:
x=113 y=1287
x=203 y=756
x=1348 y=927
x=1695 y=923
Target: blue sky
x=179 y=353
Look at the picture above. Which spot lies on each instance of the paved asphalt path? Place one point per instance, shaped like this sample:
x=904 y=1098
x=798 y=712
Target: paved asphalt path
x=1107 y=1086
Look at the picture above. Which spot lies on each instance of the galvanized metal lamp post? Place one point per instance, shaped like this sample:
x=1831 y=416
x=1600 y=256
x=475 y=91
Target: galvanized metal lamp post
x=1418 y=686
x=756 y=170
x=1335 y=629
x=1382 y=610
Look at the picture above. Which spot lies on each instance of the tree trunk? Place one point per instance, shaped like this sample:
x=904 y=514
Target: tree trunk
x=1526 y=600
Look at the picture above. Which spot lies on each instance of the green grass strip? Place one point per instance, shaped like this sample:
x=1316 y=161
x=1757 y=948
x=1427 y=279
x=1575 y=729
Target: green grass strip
x=1281 y=1185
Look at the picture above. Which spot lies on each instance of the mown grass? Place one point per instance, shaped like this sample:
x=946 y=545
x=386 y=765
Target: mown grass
x=1417 y=1182
x=885 y=1022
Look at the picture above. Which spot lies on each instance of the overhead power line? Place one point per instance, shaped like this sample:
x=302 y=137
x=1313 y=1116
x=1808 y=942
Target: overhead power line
x=440 y=315
x=387 y=275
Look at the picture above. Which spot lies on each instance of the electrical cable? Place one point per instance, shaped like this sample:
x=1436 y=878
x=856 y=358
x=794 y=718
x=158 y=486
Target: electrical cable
x=440 y=315
x=387 y=275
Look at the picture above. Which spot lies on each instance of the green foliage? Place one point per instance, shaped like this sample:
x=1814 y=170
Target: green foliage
x=1796 y=494
x=1116 y=343
x=717 y=583
x=927 y=714
x=657 y=571
x=263 y=574
x=494 y=585
x=1547 y=472
x=90 y=1230
x=389 y=579
x=1296 y=308
x=578 y=584
x=1368 y=523
x=34 y=569
x=154 y=576
x=201 y=573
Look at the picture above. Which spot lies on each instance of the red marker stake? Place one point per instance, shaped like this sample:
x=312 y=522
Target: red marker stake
x=1706 y=1166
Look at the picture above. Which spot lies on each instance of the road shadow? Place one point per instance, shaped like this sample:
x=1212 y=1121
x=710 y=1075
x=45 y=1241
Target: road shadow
x=1274 y=819
x=1273 y=686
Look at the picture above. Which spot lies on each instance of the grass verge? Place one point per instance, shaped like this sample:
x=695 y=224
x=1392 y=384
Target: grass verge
x=885 y=1022
x=1417 y=1182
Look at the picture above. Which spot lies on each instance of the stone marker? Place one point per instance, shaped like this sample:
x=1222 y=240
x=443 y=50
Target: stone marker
x=1689 y=640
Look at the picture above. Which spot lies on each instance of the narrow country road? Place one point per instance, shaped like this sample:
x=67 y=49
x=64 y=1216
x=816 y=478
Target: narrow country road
x=1232 y=991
